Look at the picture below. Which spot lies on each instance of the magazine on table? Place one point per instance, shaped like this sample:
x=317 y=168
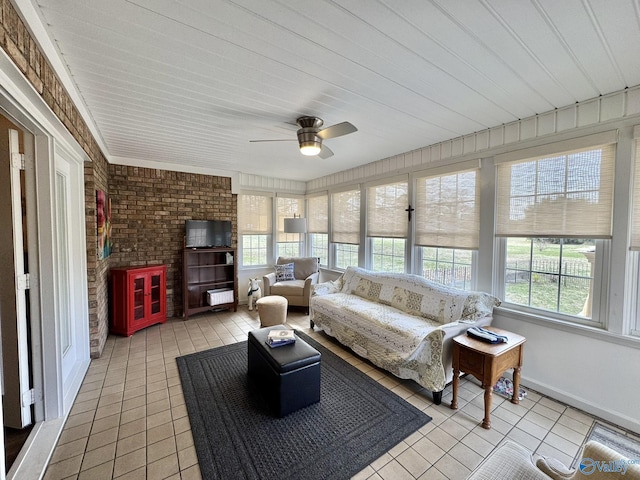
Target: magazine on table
x=278 y=338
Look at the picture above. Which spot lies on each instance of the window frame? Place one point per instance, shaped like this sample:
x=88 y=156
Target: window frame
x=419 y=262
x=323 y=231
x=334 y=246
x=279 y=221
x=268 y=233
x=599 y=297
x=370 y=254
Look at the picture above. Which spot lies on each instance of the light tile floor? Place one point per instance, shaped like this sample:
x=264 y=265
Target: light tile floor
x=129 y=420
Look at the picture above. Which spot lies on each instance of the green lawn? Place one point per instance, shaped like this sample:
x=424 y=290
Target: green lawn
x=544 y=288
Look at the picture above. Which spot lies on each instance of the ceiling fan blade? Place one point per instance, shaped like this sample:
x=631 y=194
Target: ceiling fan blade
x=278 y=140
x=337 y=130
x=325 y=152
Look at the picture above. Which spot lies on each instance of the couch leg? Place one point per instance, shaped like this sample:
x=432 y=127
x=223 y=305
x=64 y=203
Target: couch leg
x=437 y=397
x=311 y=324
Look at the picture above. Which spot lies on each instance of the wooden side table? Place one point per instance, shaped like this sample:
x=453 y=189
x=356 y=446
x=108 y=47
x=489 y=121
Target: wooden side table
x=487 y=362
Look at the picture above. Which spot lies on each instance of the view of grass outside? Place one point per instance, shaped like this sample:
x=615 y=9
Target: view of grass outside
x=288 y=249
x=254 y=249
x=346 y=255
x=387 y=254
x=550 y=274
x=447 y=266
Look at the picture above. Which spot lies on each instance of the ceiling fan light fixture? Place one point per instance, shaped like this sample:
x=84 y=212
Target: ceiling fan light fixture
x=310 y=148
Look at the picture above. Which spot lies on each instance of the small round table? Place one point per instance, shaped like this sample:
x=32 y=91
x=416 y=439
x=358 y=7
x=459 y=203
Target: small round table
x=272 y=310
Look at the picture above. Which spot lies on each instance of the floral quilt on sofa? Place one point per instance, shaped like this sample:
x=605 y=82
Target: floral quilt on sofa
x=400 y=322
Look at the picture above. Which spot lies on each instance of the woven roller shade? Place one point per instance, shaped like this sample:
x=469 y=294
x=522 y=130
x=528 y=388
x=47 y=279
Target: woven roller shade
x=254 y=214
x=345 y=217
x=386 y=210
x=287 y=207
x=318 y=208
x=447 y=210
x=563 y=195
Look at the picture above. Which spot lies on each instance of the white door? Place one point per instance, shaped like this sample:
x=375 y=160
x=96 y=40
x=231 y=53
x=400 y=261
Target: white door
x=64 y=259
x=13 y=294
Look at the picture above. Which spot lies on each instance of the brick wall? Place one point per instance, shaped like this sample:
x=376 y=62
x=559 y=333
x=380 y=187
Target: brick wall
x=96 y=178
x=149 y=208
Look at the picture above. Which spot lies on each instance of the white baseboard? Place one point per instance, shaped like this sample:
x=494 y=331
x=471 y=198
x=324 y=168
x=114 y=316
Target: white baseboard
x=616 y=418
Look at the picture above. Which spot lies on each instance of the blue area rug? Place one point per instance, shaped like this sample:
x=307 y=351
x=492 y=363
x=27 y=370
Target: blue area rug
x=356 y=421
x=626 y=444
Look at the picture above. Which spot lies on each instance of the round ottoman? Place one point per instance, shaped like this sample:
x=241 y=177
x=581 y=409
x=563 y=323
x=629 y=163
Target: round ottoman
x=272 y=310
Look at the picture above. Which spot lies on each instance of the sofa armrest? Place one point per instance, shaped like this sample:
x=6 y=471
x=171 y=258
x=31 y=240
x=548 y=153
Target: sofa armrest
x=554 y=468
x=326 y=288
x=267 y=281
x=508 y=460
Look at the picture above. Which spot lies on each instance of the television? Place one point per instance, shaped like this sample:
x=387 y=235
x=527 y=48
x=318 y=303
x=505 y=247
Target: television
x=208 y=233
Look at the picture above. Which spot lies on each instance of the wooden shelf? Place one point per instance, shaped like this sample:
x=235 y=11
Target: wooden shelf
x=207 y=269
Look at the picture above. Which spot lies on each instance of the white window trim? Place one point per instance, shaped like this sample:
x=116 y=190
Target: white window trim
x=270 y=240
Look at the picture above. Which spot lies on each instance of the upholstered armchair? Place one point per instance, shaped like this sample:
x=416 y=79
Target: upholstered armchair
x=292 y=279
x=510 y=460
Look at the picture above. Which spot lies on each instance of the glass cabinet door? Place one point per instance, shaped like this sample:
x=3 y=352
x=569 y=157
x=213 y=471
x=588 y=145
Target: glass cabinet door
x=138 y=298
x=156 y=294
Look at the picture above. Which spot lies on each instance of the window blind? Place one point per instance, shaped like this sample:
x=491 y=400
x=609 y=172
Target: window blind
x=447 y=210
x=318 y=216
x=635 y=220
x=286 y=207
x=386 y=210
x=345 y=217
x=568 y=194
x=254 y=214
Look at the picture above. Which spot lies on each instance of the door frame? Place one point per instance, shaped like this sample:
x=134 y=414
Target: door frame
x=24 y=106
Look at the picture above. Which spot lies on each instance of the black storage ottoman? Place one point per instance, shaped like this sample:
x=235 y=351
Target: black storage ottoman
x=288 y=375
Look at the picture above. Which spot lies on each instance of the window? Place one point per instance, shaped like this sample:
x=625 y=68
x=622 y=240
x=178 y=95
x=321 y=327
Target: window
x=318 y=227
x=449 y=266
x=346 y=255
x=448 y=225
x=552 y=274
x=288 y=244
x=345 y=227
x=387 y=225
x=254 y=228
x=553 y=214
x=388 y=254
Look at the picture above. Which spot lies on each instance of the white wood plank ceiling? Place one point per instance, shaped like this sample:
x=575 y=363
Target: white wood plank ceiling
x=190 y=82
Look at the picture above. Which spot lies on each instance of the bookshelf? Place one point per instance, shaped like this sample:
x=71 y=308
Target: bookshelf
x=210 y=280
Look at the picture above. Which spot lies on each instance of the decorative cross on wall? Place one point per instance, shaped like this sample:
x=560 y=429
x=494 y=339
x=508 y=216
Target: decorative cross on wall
x=409 y=210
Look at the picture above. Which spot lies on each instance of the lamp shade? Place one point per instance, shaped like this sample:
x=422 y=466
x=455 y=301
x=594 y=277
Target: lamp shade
x=295 y=225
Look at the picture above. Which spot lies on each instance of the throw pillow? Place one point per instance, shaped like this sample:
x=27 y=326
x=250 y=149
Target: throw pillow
x=284 y=272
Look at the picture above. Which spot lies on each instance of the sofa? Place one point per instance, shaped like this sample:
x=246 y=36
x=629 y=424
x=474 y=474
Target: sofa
x=292 y=279
x=510 y=461
x=402 y=323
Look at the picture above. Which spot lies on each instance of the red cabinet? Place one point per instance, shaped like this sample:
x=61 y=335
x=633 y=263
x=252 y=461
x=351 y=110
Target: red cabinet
x=138 y=298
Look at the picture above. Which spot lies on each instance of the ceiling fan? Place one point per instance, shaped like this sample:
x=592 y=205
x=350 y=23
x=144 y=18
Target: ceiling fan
x=311 y=134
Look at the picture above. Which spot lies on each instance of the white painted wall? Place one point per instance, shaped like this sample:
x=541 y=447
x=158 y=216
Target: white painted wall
x=597 y=375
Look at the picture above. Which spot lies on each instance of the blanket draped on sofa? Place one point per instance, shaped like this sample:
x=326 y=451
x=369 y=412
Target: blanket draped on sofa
x=398 y=321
